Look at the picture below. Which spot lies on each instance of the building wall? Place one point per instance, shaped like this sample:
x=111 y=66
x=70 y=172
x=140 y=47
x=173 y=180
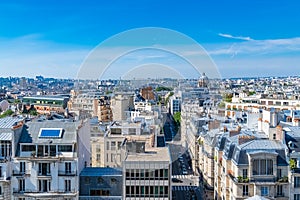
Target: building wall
x=119 y=105
x=132 y=179
x=111 y=183
x=83 y=142
x=97 y=148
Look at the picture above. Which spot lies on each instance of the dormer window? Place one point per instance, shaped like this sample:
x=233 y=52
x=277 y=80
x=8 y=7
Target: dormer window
x=263 y=167
x=291 y=144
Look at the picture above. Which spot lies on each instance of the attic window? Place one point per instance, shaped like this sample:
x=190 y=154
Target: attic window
x=291 y=144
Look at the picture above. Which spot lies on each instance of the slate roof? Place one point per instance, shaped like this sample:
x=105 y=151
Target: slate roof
x=239 y=152
x=30 y=133
x=6 y=136
x=9 y=122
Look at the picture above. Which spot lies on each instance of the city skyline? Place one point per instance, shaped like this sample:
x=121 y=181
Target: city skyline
x=243 y=39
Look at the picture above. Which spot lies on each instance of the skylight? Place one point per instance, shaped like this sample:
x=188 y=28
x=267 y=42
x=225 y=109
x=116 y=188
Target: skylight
x=50 y=133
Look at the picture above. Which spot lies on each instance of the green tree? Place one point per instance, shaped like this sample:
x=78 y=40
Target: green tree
x=163 y=88
x=293 y=164
x=33 y=112
x=221 y=104
x=227 y=97
x=177 y=117
x=167 y=99
x=7 y=113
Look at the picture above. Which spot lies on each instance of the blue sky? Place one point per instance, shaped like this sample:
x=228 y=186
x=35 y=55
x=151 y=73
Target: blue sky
x=244 y=38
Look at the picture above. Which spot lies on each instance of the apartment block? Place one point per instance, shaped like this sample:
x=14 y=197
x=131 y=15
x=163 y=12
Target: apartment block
x=101 y=183
x=10 y=131
x=249 y=164
x=49 y=158
x=96 y=104
x=147 y=174
x=121 y=104
x=46 y=104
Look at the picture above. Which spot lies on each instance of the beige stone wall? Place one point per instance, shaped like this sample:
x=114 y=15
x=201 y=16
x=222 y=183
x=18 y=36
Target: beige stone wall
x=97 y=148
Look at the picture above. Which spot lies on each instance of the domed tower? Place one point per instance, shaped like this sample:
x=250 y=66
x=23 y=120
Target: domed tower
x=203 y=81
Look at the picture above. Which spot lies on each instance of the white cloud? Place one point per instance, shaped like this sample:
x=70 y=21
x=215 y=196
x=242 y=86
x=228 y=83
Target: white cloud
x=235 y=37
x=253 y=47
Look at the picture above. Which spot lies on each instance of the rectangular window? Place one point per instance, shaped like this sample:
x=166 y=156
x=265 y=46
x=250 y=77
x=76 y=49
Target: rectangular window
x=245 y=173
x=161 y=190
x=107 y=145
x=116 y=131
x=151 y=190
x=98 y=157
x=262 y=167
x=166 y=173
x=112 y=157
x=40 y=150
x=132 y=173
x=113 y=146
x=68 y=167
x=264 y=191
x=67 y=185
x=296 y=182
x=98 y=148
x=166 y=191
x=132 y=131
x=146 y=173
x=296 y=196
x=128 y=191
x=142 y=191
x=279 y=190
x=44 y=169
x=21 y=185
x=156 y=191
x=22 y=167
x=119 y=145
x=142 y=173
x=279 y=173
x=5 y=148
x=52 y=150
x=65 y=148
x=127 y=174
x=146 y=190
x=137 y=174
x=161 y=173
x=245 y=190
x=28 y=148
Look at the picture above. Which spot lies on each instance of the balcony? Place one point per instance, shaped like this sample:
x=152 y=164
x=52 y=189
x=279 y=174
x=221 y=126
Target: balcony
x=259 y=180
x=3 y=178
x=44 y=174
x=20 y=173
x=284 y=179
x=67 y=173
x=59 y=191
x=279 y=195
x=296 y=170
